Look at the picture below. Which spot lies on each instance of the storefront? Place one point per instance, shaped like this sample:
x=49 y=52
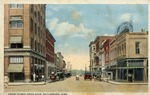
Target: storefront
x=132 y=70
x=15 y=72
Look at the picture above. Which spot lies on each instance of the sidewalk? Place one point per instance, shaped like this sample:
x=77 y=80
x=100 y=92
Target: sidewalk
x=124 y=82
x=28 y=83
x=25 y=83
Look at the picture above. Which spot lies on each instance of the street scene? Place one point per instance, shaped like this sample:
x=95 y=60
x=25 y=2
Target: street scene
x=76 y=48
x=70 y=85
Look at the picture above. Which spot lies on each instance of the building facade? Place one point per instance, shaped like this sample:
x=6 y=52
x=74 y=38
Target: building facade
x=24 y=41
x=98 y=41
x=112 y=58
x=132 y=57
x=92 y=53
x=60 y=56
x=50 y=49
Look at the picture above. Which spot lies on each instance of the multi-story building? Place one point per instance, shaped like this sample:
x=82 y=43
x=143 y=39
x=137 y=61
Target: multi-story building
x=92 y=53
x=132 y=54
x=98 y=41
x=24 y=41
x=102 y=59
x=112 y=58
x=50 y=49
x=60 y=56
x=128 y=55
x=64 y=70
x=57 y=62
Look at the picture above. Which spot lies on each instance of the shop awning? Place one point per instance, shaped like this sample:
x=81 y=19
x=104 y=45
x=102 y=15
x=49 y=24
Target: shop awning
x=15 y=39
x=15 y=68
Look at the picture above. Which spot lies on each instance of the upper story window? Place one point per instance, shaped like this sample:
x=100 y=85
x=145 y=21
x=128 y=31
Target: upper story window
x=16 y=42
x=16 y=59
x=32 y=43
x=32 y=8
x=31 y=24
x=16 y=5
x=137 y=47
x=16 y=22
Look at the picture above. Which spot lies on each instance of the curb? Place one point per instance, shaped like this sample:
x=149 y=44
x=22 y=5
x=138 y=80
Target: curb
x=122 y=83
x=125 y=83
x=17 y=84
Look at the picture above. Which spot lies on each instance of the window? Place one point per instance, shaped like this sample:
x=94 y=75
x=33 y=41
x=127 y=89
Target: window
x=16 y=5
x=16 y=22
x=35 y=46
x=39 y=31
x=16 y=42
x=16 y=45
x=39 y=16
x=31 y=24
x=137 y=47
x=31 y=7
x=35 y=28
x=31 y=43
x=16 y=59
x=35 y=14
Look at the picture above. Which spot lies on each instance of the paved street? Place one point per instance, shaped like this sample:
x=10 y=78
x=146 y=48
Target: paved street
x=71 y=85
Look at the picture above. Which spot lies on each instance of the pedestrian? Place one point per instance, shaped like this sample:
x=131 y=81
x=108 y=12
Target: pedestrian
x=100 y=78
x=129 y=77
x=34 y=76
x=6 y=80
x=37 y=78
x=43 y=78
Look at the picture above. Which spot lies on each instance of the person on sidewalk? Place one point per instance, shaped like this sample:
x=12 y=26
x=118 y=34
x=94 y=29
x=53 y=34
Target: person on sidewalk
x=43 y=79
x=34 y=76
x=129 y=77
x=6 y=80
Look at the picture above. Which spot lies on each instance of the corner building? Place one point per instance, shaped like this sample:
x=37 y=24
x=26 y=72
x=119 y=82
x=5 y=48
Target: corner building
x=130 y=57
x=24 y=41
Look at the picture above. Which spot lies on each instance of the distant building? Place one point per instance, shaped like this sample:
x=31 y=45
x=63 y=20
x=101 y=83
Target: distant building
x=60 y=56
x=98 y=41
x=92 y=53
x=24 y=41
x=64 y=70
x=57 y=62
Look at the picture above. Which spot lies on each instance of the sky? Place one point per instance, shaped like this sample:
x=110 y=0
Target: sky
x=74 y=26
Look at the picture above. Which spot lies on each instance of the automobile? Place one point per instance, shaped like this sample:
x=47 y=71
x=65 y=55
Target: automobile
x=59 y=76
x=88 y=75
x=52 y=77
x=67 y=75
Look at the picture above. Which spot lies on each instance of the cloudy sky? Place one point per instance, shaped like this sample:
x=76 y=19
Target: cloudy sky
x=74 y=26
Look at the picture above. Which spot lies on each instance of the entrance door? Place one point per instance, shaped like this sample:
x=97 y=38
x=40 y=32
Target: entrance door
x=11 y=78
x=138 y=76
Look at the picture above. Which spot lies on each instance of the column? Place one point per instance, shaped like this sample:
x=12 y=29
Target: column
x=145 y=72
x=27 y=68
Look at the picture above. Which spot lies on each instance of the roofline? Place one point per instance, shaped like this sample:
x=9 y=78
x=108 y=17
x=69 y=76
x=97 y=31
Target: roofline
x=47 y=30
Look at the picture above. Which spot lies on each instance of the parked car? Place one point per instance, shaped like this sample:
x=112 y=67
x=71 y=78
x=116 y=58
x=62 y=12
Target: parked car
x=52 y=77
x=88 y=75
x=59 y=76
x=67 y=75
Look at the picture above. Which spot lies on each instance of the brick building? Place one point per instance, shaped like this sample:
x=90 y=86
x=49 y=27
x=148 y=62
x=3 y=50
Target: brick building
x=50 y=49
x=98 y=41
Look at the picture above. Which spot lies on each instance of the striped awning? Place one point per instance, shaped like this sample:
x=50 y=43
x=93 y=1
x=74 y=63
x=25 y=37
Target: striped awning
x=16 y=39
x=15 y=68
